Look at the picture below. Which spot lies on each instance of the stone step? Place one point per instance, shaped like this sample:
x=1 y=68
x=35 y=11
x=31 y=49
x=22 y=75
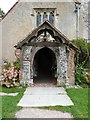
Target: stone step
x=45 y=91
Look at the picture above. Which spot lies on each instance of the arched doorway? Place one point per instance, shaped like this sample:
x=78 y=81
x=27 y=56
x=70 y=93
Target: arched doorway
x=44 y=66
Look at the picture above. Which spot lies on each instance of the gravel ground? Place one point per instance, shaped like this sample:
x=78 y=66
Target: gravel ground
x=41 y=113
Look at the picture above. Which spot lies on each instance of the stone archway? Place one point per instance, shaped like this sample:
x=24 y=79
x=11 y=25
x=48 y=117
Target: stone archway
x=44 y=66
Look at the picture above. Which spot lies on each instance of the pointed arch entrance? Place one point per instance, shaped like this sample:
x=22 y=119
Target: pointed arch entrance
x=44 y=66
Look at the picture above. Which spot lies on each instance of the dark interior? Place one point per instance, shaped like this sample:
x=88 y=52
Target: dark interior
x=44 y=66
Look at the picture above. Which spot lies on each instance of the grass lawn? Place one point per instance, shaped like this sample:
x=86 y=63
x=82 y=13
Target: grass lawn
x=80 y=100
x=9 y=103
x=78 y=96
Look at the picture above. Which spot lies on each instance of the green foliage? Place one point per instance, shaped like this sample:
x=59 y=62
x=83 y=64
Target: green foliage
x=9 y=103
x=81 y=44
x=79 y=74
x=82 y=60
x=6 y=65
x=79 y=97
x=83 y=55
x=2 y=13
x=89 y=48
x=17 y=64
x=87 y=76
x=87 y=65
x=10 y=73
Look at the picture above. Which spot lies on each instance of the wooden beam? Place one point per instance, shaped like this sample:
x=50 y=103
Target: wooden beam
x=40 y=44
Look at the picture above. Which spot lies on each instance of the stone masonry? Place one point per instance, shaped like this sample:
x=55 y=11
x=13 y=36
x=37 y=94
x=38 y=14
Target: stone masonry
x=20 y=22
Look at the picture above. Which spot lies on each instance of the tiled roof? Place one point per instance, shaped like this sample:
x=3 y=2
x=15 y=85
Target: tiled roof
x=46 y=26
x=77 y=1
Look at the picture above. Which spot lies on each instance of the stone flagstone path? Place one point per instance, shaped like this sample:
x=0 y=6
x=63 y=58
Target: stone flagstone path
x=8 y=94
x=41 y=113
x=45 y=96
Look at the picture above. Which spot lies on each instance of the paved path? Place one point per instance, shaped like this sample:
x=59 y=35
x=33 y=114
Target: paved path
x=8 y=94
x=40 y=113
x=45 y=96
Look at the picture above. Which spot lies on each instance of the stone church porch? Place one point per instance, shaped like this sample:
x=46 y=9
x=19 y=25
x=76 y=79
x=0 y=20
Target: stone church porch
x=47 y=56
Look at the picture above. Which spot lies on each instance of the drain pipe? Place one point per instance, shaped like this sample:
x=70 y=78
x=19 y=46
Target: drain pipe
x=77 y=10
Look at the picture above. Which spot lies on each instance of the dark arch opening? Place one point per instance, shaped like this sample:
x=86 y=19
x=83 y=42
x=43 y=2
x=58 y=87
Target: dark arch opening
x=44 y=66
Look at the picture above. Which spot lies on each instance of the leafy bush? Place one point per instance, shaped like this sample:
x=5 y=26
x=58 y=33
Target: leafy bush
x=87 y=76
x=82 y=57
x=17 y=64
x=82 y=61
x=10 y=73
x=2 y=13
x=89 y=48
x=79 y=74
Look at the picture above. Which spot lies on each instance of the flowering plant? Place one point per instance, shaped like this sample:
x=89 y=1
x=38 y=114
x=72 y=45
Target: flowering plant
x=10 y=73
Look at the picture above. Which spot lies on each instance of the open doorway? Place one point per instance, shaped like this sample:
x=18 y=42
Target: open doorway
x=44 y=66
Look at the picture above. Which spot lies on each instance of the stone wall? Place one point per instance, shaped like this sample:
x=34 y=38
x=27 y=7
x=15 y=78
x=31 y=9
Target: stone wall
x=71 y=68
x=19 y=22
x=65 y=65
x=85 y=18
x=25 y=67
x=0 y=48
x=62 y=66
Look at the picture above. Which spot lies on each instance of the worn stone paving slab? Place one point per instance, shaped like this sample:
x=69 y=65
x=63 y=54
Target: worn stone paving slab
x=45 y=91
x=8 y=94
x=40 y=96
x=44 y=100
x=40 y=113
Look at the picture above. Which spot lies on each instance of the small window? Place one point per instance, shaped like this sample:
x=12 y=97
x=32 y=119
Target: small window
x=45 y=16
x=51 y=18
x=38 y=19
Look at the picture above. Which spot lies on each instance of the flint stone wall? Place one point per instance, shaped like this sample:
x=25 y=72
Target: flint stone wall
x=65 y=65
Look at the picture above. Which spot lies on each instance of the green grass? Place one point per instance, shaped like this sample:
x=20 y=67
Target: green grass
x=9 y=103
x=10 y=90
x=80 y=100
x=78 y=96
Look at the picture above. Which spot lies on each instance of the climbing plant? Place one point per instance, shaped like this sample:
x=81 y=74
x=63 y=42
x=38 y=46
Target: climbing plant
x=79 y=74
x=82 y=56
x=82 y=60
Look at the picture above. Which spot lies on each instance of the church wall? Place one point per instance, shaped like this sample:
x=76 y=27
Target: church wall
x=62 y=66
x=0 y=48
x=19 y=23
x=21 y=20
x=71 y=68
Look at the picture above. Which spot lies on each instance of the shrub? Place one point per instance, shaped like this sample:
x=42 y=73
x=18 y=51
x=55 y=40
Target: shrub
x=89 y=48
x=82 y=57
x=10 y=72
x=87 y=76
x=17 y=64
x=82 y=77
x=79 y=74
x=82 y=61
